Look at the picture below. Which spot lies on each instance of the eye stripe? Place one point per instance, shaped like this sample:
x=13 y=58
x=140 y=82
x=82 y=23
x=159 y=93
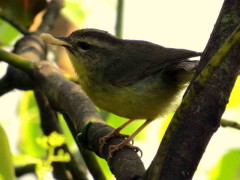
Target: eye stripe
x=84 y=45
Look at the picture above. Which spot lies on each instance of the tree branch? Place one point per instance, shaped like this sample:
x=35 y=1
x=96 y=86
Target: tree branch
x=119 y=20
x=22 y=170
x=20 y=76
x=52 y=12
x=232 y=124
x=17 y=61
x=68 y=98
x=50 y=123
x=5 y=85
x=14 y=24
x=198 y=116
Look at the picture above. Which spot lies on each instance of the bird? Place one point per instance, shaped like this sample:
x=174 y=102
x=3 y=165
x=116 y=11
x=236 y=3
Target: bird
x=134 y=79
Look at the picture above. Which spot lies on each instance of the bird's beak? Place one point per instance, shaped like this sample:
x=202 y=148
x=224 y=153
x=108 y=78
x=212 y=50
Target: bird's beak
x=59 y=41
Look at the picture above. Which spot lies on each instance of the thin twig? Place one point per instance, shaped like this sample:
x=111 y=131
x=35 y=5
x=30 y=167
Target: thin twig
x=232 y=124
x=50 y=123
x=119 y=19
x=23 y=170
x=89 y=157
x=16 y=61
x=5 y=85
x=14 y=24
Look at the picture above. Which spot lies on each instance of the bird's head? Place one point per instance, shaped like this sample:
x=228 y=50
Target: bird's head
x=88 y=48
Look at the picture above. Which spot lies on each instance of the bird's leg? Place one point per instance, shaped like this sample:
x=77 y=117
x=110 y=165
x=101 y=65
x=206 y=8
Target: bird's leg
x=114 y=133
x=125 y=143
x=117 y=130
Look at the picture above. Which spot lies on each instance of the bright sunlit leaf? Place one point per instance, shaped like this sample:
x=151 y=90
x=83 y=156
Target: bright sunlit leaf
x=234 y=101
x=67 y=133
x=30 y=126
x=105 y=168
x=7 y=33
x=228 y=167
x=74 y=11
x=6 y=164
x=53 y=141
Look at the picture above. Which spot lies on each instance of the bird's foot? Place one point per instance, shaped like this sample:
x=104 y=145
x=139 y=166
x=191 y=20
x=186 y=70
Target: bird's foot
x=114 y=148
x=104 y=139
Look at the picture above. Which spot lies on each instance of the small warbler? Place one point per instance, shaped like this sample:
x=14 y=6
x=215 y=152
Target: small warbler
x=130 y=78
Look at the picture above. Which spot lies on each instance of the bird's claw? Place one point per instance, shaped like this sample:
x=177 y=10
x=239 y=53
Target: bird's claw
x=104 y=139
x=114 y=148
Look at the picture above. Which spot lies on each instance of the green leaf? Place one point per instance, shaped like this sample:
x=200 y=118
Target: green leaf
x=232 y=110
x=30 y=126
x=234 y=101
x=103 y=164
x=74 y=11
x=164 y=126
x=7 y=33
x=23 y=160
x=6 y=163
x=67 y=133
x=228 y=167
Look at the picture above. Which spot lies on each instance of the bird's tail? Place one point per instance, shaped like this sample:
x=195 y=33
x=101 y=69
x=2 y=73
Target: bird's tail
x=184 y=70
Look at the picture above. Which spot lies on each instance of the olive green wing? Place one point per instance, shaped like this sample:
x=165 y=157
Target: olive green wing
x=139 y=59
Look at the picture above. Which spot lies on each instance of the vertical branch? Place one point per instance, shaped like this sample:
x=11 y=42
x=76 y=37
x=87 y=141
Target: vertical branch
x=89 y=157
x=199 y=114
x=93 y=165
x=119 y=20
x=50 y=16
x=118 y=33
x=50 y=123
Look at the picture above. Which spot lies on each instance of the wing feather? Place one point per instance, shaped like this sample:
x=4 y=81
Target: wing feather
x=136 y=60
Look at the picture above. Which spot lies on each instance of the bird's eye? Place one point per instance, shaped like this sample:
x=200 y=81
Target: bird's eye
x=84 y=45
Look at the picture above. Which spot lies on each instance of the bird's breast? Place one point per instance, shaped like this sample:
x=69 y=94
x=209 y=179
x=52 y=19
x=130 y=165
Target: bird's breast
x=138 y=101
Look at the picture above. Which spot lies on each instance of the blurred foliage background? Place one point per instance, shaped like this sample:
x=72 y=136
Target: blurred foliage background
x=179 y=24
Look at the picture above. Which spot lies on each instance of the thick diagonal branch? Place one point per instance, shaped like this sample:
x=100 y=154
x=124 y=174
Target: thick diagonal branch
x=199 y=115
